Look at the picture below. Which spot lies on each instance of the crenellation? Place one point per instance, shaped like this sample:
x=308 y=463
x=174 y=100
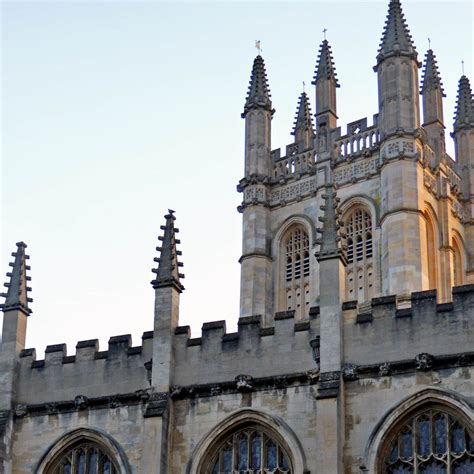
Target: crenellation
x=87 y=350
x=54 y=354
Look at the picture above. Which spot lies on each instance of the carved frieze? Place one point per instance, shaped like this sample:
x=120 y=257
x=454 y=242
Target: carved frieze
x=430 y=182
x=458 y=211
x=244 y=383
x=294 y=191
x=423 y=361
x=359 y=169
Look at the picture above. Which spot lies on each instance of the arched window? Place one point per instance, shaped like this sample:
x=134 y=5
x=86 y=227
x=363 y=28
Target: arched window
x=359 y=271
x=458 y=267
x=84 y=451
x=251 y=451
x=296 y=270
x=83 y=458
x=434 y=440
x=431 y=249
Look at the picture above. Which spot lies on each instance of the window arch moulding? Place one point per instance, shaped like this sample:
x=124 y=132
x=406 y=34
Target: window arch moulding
x=417 y=403
x=361 y=200
x=98 y=440
x=275 y=428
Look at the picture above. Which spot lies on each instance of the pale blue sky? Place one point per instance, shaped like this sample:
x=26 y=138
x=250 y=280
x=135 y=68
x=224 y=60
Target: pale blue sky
x=114 y=111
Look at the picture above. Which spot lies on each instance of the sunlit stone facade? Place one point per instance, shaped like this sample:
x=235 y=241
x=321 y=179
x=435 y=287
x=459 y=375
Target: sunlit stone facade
x=354 y=351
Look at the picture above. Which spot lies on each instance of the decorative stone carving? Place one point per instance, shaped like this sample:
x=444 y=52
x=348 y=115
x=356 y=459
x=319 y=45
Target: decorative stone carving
x=114 y=402
x=157 y=404
x=430 y=182
x=313 y=375
x=458 y=210
x=350 y=372
x=21 y=410
x=244 y=382
x=355 y=170
x=424 y=361
x=81 y=402
x=52 y=408
x=176 y=391
x=144 y=395
x=385 y=369
x=216 y=390
x=293 y=191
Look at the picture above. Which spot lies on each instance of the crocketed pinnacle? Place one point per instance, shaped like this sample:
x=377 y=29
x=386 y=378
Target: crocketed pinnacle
x=258 y=96
x=396 y=37
x=464 y=114
x=167 y=273
x=325 y=68
x=16 y=298
x=303 y=119
x=332 y=236
x=431 y=78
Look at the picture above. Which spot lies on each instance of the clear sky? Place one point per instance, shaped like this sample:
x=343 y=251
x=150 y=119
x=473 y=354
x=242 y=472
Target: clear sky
x=113 y=112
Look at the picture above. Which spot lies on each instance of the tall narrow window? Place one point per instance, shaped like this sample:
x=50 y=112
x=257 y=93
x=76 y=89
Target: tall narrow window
x=359 y=271
x=296 y=270
x=431 y=441
x=431 y=254
x=458 y=268
x=83 y=458
x=250 y=451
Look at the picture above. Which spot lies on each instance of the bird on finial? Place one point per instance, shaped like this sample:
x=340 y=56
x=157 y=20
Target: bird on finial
x=171 y=211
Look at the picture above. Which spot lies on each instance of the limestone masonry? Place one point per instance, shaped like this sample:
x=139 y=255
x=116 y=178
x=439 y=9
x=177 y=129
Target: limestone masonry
x=355 y=344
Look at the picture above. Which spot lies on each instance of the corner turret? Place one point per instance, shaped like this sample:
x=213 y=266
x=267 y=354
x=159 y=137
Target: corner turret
x=326 y=82
x=397 y=69
x=258 y=114
x=256 y=264
x=303 y=129
x=433 y=93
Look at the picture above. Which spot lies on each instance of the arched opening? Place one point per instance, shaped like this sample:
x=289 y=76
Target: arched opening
x=295 y=252
x=248 y=441
x=432 y=253
x=359 y=270
x=433 y=439
x=458 y=264
x=84 y=451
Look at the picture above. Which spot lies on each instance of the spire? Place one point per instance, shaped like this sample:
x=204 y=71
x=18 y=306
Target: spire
x=325 y=68
x=464 y=115
x=396 y=37
x=258 y=95
x=16 y=298
x=303 y=119
x=167 y=273
x=331 y=241
x=431 y=78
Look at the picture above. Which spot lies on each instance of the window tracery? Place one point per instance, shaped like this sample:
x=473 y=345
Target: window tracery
x=296 y=254
x=359 y=270
x=84 y=458
x=250 y=451
x=434 y=441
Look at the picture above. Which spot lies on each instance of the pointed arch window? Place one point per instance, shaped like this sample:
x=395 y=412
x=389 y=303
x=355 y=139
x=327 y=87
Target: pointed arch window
x=296 y=270
x=458 y=267
x=250 y=451
x=84 y=458
x=432 y=441
x=360 y=252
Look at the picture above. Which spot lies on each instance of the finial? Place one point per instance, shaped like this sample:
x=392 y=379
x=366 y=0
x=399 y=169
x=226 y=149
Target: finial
x=167 y=273
x=304 y=84
x=258 y=96
x=258 y=46
x=324 y=33
x=429 y=43
x=325 y=68
x=464 y=113
x=462 y=66
x=16 y=298
x=303 y=120
x=396 y=37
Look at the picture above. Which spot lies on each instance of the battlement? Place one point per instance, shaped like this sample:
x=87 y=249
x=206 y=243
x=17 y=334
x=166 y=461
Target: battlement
x=360 y=139
x=123 y=368
x=386 y=331
x=251 y=350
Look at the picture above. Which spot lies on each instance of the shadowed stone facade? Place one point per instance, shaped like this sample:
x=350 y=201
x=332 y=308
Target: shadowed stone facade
x=355 y=344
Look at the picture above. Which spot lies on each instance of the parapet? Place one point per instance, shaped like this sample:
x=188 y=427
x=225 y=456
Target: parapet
x=218 y=356
x=386 y=331
x=91 y=372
